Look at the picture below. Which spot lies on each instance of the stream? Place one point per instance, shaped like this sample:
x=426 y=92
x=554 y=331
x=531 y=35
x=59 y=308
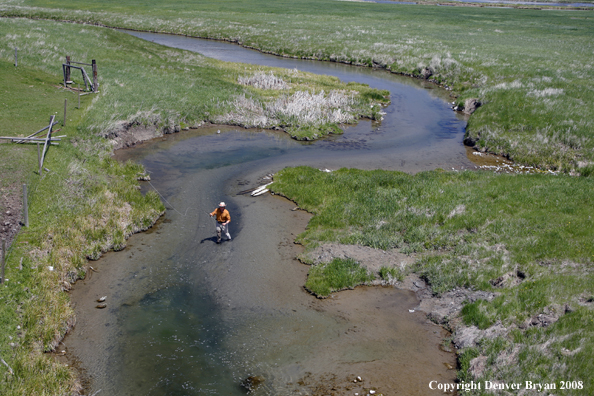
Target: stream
x=186 y=316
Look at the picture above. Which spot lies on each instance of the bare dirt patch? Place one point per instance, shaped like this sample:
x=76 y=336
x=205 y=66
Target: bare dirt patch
x=370 y=258
x=11 y=207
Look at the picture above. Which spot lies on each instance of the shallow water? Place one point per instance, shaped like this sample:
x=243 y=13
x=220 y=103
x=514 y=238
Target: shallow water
x=188 y=316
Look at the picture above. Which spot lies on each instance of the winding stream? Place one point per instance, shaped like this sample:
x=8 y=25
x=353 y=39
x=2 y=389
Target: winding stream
x=186 y=316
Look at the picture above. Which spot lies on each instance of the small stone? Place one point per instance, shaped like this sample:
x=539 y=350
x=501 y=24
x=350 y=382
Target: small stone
x=101 y=306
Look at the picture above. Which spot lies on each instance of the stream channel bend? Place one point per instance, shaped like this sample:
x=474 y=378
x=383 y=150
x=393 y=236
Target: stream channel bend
x=186 y=316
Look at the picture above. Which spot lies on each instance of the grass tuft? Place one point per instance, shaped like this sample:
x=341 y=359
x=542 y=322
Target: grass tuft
x=339 y=274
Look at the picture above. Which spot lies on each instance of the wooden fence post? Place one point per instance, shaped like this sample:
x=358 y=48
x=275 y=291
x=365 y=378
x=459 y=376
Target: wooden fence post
x=16 y=57
x=95 y=85
x=2 y=259
x=25 y=206
x=39 y=158
x=67 y=69
x=47 y=138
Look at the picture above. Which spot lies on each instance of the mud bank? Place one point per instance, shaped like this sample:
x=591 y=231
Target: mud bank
x=443 y=309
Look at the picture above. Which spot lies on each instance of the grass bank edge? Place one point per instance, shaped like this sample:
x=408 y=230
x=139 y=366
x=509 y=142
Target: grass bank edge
x=94 y=207
x=230 y=93
x=85 y=206
x=489 y=241
x=513 y=126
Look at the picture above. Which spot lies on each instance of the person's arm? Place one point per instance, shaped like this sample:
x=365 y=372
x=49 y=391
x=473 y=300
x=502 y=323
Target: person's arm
x=228 y=218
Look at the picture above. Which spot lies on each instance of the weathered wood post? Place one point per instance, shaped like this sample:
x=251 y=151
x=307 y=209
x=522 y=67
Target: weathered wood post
x=65 y=106
x=67 y=69
x=95 y=85
x=39 y=158
x=78 y=89
x=2 y=260
x=47 y=138
x=25 y=206
x=16 y=57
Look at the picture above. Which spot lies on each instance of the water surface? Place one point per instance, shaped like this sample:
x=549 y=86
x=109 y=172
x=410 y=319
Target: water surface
x=187 y=316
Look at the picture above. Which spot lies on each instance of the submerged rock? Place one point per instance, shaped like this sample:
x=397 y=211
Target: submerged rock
x=252 y=382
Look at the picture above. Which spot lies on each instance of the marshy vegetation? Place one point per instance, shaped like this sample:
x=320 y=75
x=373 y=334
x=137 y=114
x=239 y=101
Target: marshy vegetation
x=526 y=238
x=142 y=83
x=338 y=274
x=537 y=106
x=89 y=203
x=86 y=204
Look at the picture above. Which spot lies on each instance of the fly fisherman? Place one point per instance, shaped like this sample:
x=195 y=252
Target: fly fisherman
x=223 y=220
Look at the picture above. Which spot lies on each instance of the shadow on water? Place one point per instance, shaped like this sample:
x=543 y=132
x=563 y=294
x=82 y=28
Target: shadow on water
x=187 y=316
x=175 y=338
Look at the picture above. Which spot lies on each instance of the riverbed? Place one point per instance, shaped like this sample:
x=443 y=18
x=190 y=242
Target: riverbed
x=186 y=316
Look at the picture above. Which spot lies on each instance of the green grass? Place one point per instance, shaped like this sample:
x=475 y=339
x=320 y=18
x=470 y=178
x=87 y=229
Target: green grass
x=474 y=227
x=531 y=69
x=469 y=229
x=390 y=273
x=145 y=83
x=338 y=274
x=89 y=203
x=86 y=204
x=25 y=97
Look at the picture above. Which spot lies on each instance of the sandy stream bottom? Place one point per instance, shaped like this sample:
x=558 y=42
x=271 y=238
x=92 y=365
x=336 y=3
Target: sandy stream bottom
x=187 y=316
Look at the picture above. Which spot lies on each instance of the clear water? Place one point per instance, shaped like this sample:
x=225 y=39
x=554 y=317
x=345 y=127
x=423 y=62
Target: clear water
x=187 y=316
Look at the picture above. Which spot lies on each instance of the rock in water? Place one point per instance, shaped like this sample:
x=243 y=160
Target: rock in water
x=252 y=382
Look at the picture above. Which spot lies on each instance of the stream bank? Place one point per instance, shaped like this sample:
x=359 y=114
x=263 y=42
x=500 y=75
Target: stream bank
x=185 y=315
x=185 y=312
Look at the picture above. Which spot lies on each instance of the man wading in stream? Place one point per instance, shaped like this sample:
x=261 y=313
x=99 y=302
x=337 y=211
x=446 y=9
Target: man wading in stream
x=223 y=220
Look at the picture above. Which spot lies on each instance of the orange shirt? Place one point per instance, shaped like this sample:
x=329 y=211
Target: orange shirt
x=222 y=217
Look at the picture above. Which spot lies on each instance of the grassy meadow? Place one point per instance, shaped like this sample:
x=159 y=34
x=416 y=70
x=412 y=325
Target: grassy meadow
x=144 y=83
x=84 y=205
x=525 y=237
x=88 y=203
x=532 y=69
